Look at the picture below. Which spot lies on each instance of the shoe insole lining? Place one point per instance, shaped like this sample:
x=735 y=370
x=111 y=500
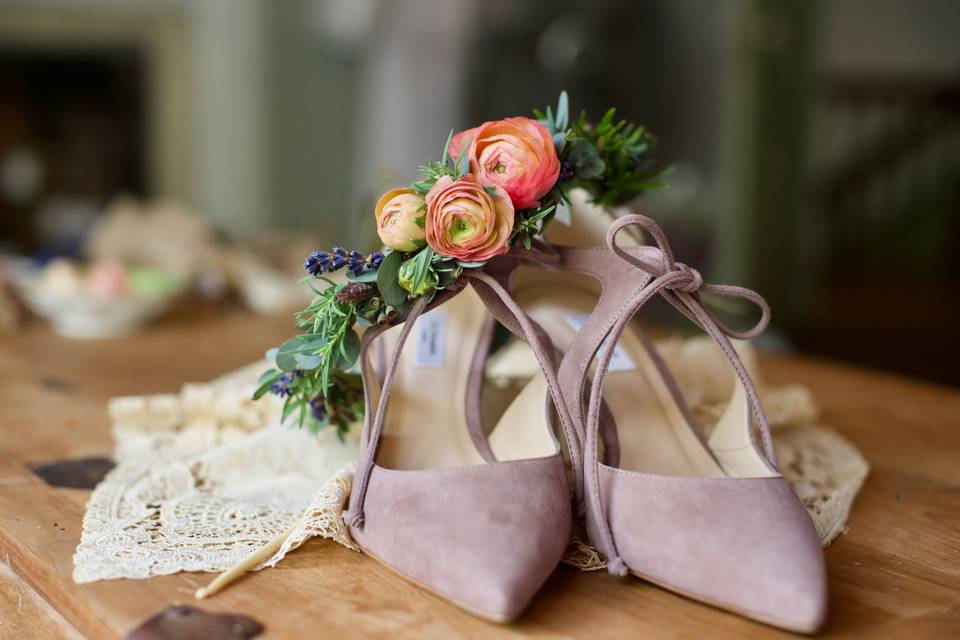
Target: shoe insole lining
x=653 y=434
x=425 y=425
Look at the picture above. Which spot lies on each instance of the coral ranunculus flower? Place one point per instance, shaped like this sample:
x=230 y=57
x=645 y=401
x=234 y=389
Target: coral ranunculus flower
x=466 y=221
x=514 y=153
x=400 y=219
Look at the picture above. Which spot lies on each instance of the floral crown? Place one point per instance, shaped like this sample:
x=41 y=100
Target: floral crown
x=497 y=186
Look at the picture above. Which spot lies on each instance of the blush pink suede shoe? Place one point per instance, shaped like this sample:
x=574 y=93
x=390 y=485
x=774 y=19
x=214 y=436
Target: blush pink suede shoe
x=712 y=519
x=429 y=500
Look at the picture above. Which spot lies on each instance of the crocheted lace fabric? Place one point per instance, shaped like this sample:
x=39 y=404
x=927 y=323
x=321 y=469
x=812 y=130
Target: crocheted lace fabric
x=207 y=476
x=201 y=483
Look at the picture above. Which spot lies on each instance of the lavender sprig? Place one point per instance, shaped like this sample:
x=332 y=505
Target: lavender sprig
x=319 y=262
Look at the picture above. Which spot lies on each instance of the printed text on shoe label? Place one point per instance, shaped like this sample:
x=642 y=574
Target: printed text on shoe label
x=431 y=337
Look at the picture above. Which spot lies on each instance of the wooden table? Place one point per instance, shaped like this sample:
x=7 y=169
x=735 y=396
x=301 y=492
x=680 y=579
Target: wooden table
x=895 y=573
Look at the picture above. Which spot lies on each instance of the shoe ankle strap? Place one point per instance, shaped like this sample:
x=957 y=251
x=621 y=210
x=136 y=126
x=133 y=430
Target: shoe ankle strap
x=681 y=286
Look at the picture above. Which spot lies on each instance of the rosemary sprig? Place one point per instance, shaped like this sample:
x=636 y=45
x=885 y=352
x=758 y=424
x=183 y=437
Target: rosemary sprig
x=309 y=365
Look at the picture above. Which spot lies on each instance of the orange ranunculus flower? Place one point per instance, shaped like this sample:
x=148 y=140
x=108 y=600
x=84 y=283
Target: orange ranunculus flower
x=466 y=221
x=514 y=153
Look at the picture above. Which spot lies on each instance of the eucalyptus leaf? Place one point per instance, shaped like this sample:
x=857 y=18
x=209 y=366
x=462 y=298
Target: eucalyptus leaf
x=586 y=160
x=307 y=362
x=286 y=355
x=388 y=282
x=470 y=265
x=271 y=355
x=591 y=169
x=349 y=350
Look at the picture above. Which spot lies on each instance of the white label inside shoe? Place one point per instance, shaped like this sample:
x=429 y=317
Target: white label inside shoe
x=431 y=338
x=620 y=361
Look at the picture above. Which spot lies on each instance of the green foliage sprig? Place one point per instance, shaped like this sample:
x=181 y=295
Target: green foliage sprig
x=612 y=159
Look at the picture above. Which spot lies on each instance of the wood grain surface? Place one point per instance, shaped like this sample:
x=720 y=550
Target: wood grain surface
x=895 y=573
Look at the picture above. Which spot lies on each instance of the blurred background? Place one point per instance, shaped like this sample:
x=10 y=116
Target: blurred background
x=815 y=146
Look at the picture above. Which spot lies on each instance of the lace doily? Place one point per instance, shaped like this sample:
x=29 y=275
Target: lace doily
x=201 y=483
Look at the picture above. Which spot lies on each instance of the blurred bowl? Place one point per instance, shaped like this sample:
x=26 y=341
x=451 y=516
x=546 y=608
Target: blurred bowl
x=80 y=314
x=91 y=317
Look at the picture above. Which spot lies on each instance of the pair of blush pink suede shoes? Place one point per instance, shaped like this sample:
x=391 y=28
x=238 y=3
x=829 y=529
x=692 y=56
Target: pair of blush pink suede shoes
x=482 y=517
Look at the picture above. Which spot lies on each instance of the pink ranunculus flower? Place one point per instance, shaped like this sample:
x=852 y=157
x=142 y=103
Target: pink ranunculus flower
x=514 y=153
x=466 y=221
x=400 y=219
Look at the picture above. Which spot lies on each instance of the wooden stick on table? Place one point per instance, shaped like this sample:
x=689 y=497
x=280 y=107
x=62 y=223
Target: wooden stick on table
x=245 y=565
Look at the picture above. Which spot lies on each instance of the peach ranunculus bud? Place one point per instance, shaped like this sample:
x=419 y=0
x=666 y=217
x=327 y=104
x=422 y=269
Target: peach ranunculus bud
x=514 y=153
x=400 y=219
x=467 y=222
